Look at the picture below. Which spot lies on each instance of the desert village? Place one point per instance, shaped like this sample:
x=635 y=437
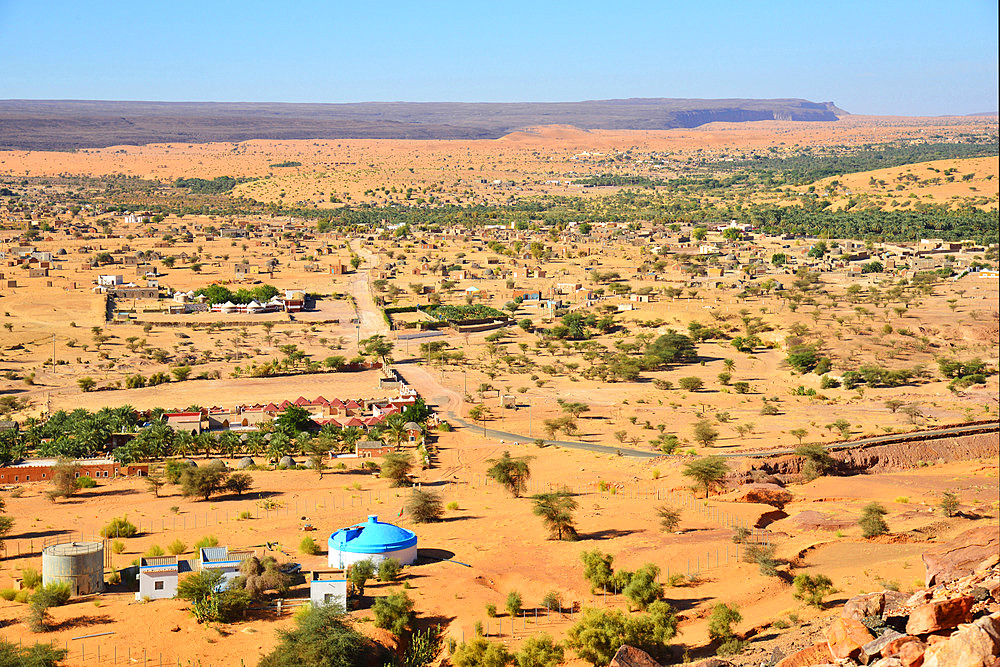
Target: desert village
x=520 y=431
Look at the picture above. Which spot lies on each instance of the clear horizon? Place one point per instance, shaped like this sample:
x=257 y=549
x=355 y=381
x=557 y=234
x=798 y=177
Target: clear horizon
x=890 y=58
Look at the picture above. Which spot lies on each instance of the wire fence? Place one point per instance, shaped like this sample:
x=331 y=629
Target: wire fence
x=306 y=509
x=105 y=649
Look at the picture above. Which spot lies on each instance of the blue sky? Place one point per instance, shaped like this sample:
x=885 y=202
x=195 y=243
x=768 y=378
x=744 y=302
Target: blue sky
x=913 y=58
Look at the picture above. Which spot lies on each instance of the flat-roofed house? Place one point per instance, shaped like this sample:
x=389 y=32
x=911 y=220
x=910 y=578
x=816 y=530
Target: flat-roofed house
x=329 y=587
x=158 y=577
x=221 y=559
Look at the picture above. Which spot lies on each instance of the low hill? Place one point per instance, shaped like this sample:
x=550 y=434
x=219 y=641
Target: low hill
x=70 y=124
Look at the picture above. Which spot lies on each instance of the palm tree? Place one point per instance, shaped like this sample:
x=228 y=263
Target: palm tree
x=509 y=472
x=393 y=430
x=351 y=435
x=556 y=510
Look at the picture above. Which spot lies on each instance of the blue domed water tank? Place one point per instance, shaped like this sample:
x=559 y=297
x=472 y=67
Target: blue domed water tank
x=372 y=540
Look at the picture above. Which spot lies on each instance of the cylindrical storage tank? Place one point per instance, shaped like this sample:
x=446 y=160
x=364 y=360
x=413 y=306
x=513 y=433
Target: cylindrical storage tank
x=373 y=540
x=80 y=564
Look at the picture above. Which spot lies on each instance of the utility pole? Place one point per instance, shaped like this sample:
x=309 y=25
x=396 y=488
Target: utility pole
x=53 y=353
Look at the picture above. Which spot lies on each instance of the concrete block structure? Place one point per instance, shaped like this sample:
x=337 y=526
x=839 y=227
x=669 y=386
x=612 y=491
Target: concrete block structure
x=158 y=577
x=329 y=587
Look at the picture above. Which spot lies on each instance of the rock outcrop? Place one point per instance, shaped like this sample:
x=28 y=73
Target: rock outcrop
x=954 y=624
x=962 y=555
x=765 y=494
x=629 y=656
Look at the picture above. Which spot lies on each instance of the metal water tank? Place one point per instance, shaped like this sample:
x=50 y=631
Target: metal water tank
x=80 y=564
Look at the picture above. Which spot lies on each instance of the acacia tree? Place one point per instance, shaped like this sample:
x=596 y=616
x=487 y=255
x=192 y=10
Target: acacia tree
x=817 y=460
x=708 y=471
x=376 y=347
x=556 y=510
x=510 y=472
x=670 y=517
x=203 y=481
x=705 y=433
x=396 y=468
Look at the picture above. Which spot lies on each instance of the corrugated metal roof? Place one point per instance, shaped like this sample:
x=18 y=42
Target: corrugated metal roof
x=214 y=553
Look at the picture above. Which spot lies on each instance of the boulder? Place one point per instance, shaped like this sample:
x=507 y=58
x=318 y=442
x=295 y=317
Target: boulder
x=896 y=645
x=846 y=637
x=766 y=494
x=894 y=602
x=939 y=615
x=873 y=649
x=960 y=556
x=711 y=662
x=911 y=654
x=817 y=654
x=813 y=520
x=629 y=656
x=974 y=645
x=887 y=662
x=862 y=606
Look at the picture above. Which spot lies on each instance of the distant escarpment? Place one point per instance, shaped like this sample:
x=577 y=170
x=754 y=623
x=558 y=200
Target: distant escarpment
x=72 y=124
x=890 y=457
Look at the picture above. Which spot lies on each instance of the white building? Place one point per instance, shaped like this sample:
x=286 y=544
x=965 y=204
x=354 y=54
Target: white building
x=328 y=587
x=158 y=577
x=223 y=560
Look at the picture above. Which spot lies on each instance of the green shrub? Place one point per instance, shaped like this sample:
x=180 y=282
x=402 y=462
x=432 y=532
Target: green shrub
x=812 y=590
x=643 y=587
x=393 y=613
x=245 y=514
x=207 y=541
x=763 y=555
x=452 y=505
x=480 y=652
x=388 y=570
x=871 y=521
x=85 y=482
x=539 y=651
x=323 y=634
x=308 y=546
x=513 y=603
x=52 y=595
x=491 y=610
x=154 y=551
x=30 y=578
x=117 y=546
x=552 y=600
x=119 y=527
x=31 y=655
x=7 y=594
x=730 y=646
x=359 y=573
x=721 y=621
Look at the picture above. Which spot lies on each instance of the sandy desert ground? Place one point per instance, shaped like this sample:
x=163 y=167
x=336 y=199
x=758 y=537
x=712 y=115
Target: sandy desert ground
x=496 y=543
